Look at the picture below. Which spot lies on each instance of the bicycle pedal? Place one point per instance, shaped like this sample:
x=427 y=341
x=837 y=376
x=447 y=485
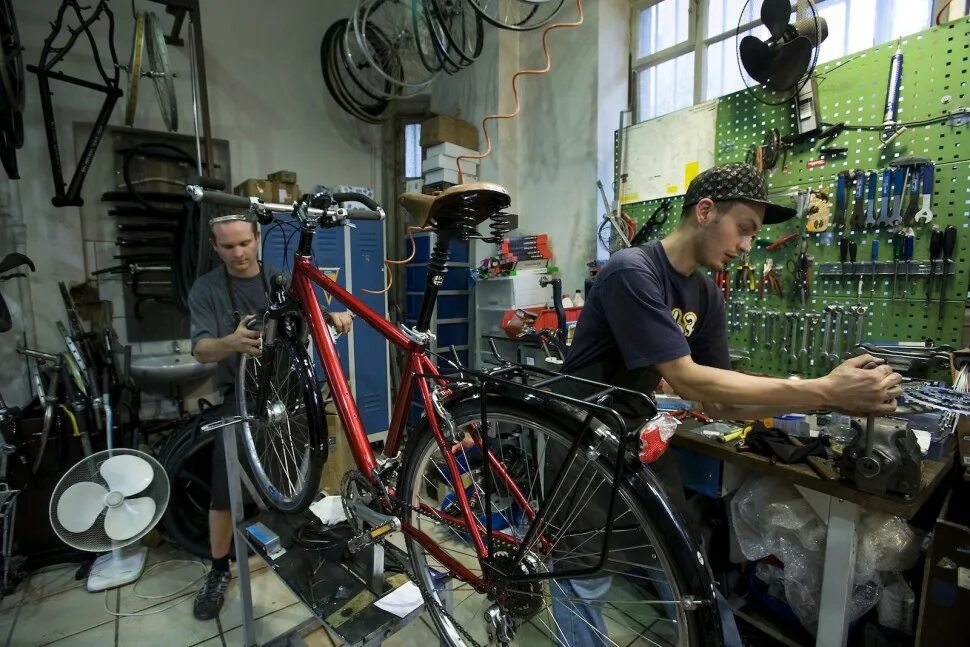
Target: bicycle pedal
x=369 y=537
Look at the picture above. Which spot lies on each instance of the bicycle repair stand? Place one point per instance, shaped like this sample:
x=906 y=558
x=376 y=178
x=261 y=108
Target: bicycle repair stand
x=339 y=598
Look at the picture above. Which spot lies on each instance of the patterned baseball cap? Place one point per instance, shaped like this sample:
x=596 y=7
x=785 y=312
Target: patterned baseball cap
x=735 y=182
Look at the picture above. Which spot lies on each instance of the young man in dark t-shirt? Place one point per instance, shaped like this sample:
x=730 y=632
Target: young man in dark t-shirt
x=652 y=315
x=221 y=303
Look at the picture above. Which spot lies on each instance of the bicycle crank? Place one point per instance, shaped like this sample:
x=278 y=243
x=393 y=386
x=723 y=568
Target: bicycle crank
x=360 y=498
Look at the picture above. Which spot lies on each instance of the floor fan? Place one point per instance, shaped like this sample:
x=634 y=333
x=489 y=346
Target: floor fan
x=107 y=502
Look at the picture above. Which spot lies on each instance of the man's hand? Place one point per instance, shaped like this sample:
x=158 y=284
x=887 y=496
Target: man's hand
x=859 y=390
x=341 y=321
x=244 y=340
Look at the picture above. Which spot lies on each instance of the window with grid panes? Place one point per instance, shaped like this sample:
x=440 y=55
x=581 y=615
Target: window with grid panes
x=670 y=35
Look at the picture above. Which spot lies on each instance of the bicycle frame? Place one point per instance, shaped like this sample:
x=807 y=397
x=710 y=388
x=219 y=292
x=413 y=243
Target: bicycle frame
x=417 y=365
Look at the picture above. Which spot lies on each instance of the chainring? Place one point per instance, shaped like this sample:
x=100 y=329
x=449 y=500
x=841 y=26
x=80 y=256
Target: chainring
x=355 y=486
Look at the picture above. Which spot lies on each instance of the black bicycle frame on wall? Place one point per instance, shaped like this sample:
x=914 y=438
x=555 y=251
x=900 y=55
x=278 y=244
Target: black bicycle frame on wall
x=50 y=56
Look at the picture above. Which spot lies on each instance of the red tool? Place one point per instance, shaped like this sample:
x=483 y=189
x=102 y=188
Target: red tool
x=781 y=242
x=722 y=279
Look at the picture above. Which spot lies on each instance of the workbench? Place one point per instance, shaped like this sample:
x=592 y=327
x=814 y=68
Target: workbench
x=839 y=503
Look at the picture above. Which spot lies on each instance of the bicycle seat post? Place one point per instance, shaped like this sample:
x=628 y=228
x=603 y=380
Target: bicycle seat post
x=437 y=266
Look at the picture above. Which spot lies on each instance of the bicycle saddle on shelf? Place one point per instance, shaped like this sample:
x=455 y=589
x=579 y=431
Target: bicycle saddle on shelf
x=479 y=200
x=9 y=262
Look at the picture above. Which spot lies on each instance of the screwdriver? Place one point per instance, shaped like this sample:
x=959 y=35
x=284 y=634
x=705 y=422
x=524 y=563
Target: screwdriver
x=936 y=253
x=949 y=244
x=875 y=259
x=897 y=240
x=908 y=242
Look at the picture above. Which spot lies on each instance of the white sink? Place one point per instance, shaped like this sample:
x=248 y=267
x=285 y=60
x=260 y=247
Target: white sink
x=169 y=367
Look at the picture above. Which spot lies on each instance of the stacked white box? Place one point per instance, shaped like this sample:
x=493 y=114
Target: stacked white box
x=441 y=164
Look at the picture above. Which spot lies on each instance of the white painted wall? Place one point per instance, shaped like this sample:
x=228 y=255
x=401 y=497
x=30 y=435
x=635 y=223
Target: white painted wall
x=266 y=95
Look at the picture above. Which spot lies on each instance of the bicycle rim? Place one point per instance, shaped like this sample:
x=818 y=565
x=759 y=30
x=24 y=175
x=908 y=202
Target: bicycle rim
x=639 y=598
x=392 y=19
x=134 y=69
x=282 y=445
x=161 y=71
x=518 y=15
x=462 y=34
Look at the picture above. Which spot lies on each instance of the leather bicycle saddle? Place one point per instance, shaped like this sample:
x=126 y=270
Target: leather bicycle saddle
x=9 y=262
x=479 y=200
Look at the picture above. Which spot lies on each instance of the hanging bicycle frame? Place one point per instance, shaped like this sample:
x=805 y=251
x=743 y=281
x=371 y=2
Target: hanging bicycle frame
x=50 y=56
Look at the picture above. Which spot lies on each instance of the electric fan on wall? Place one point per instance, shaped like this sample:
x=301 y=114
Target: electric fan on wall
x=783 y=63
x=107 y=502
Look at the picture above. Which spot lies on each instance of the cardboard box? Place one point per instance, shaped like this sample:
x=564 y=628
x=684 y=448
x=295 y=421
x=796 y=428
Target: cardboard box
x=448 y=129
x=340 y=459
x=285 y=192
x=435 y=162
x=253 y=188
x=449 y=175
x=288 y=177
x=946 y=578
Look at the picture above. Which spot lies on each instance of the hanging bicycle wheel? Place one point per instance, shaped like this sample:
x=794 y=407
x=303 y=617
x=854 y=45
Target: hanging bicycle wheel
x=160 y=70
x=462 y=36
x=365 y=74
x=402 y=67
x=429 y=33
x=134 y=68
x=284 y=432
x=653 y=589
x=352 y=96
x=518 y=15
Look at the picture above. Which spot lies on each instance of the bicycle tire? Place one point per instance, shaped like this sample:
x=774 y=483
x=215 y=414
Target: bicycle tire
x=639 y=493
x=403 y=47
x=300 y=409
x=331 y=62
x=518 y=15
x=11 y=55
x=463 y=31
x=134 y=69
x=425 y=39
x=187 y=459
x=161 y=71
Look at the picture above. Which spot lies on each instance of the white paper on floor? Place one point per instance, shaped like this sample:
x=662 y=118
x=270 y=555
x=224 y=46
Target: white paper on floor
x=402 y=600
x=329 y=509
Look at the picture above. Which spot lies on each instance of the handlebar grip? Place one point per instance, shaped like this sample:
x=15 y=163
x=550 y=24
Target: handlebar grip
x=357 y=197
x=199 y=194
x=207 y=182
x=360 y=214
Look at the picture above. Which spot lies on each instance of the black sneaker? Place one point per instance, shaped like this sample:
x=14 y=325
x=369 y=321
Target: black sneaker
x=209 y=599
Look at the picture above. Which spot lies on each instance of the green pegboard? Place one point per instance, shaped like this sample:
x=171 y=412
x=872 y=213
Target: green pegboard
x=852 y=90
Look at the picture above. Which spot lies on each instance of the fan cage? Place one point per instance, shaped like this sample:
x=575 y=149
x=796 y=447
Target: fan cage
x=95 y=539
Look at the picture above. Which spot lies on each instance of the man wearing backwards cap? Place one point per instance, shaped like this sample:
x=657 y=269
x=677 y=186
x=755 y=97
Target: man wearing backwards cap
x=221 y=303
x=652 y=315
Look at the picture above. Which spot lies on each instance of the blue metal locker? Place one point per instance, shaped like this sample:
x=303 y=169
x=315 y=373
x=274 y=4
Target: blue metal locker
x=354 y=256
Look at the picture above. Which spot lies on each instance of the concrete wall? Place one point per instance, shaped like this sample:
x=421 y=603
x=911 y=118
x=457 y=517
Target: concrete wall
x=267 y=98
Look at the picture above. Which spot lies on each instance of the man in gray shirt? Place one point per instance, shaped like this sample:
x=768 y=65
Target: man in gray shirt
x=221 y=303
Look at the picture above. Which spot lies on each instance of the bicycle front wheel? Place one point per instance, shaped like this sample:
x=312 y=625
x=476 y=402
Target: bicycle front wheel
x=285 y=437
x=652 y=590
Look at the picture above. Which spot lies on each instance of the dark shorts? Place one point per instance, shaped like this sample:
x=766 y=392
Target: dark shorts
x=219 y=479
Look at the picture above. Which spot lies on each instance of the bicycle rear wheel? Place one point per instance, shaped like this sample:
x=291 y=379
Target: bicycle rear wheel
x=654 y=590
x=285 y=439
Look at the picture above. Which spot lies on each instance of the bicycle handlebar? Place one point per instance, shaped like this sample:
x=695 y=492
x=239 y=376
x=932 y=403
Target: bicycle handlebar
x=201 y=194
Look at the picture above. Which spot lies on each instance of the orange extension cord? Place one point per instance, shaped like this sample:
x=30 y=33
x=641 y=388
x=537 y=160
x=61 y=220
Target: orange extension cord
x=515 y=90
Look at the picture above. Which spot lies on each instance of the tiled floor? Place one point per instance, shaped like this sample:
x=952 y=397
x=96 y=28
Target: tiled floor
x=52 y=608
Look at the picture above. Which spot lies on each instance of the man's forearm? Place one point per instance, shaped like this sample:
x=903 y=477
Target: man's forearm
x=750 y=412
x=707 y=384
x=212 y=349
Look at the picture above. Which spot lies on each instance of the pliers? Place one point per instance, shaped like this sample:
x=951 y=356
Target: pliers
x=744 y=275
x=723 y=282
x=680 y=414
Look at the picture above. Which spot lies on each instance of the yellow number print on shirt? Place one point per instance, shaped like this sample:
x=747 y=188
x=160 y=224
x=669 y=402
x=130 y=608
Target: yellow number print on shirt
x=686 y=321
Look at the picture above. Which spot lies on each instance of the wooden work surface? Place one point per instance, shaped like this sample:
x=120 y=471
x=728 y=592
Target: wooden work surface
x=802 y=474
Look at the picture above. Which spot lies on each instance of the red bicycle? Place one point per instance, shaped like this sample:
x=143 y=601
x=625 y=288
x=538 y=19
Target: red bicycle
x=525 y=513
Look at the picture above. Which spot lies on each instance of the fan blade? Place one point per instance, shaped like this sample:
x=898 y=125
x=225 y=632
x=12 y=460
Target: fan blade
x=756 y=58
x=129 y=518
x=127 y=474
x=774 y=15
x=80 y=505
x=790 y=64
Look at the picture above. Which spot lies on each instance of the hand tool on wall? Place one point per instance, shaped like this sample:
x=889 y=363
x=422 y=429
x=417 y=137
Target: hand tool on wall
x=924 y=214
x=860 y=321
x=843 y=254
x=841 y=199
x=836 y=336
x=812 y=322
x=909 y=242
x=887 y=187
x=936 y=253
x=900 y=175
x=872 y=181
x=874 y=258
x=723 y=283
x=889 y=130
x=785 y=341
x=781 y=241
x=912 y=206
x=850 y=340
x=754 y=318
x=949 y=245
x=827 y=331
x=792 y=353
x=897 y=243
x=859 y=206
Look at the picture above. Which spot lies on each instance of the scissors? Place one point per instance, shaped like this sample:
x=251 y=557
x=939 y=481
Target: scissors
x=653 y=224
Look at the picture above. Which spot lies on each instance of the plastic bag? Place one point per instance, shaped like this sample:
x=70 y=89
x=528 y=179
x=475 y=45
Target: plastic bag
x=655 y=435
